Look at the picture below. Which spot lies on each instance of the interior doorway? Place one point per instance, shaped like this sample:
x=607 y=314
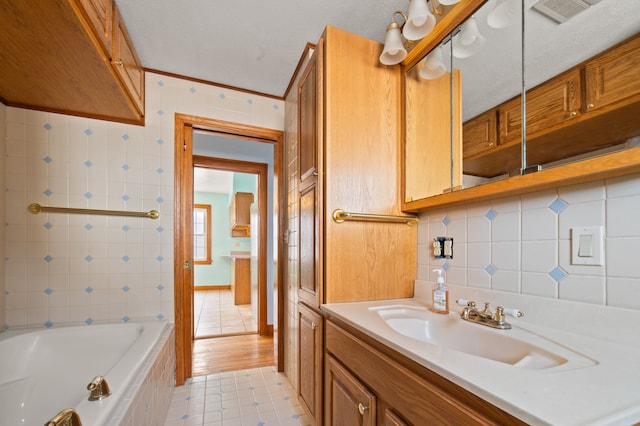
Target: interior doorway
x=183 y=238
x=230 y=210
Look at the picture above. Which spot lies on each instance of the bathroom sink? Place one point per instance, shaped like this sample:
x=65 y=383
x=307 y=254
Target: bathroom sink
x=516 y=347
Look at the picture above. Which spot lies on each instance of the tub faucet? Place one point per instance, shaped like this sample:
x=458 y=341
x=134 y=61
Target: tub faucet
x=67 y=417
x=99 y=389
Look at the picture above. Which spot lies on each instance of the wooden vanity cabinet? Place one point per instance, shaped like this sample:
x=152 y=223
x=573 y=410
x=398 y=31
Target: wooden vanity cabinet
x=240 y=214
x=348 y=401
x=402 y=391
x=310 y=365
x=72 y=57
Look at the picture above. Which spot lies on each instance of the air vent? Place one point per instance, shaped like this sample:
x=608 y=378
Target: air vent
x=562 y=10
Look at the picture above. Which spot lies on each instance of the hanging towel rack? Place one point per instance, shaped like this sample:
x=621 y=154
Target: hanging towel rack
x=340 y=216
x=36 y=208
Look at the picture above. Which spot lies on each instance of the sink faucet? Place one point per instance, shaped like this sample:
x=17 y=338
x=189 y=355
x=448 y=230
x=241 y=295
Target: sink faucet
x=486 y=317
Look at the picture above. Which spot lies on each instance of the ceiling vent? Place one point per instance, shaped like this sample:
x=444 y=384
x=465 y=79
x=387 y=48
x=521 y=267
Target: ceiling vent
x=562 y=10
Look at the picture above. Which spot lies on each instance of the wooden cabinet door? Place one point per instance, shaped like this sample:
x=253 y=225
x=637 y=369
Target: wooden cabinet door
x=310 y=329
x=126 y=62
x=347 y=401
x=309 y=283
x=613 y=76
x=308 y=121
x=392 y=419
x=240 y=214
x=99 y=14
x=480 y=134
x=548 y=105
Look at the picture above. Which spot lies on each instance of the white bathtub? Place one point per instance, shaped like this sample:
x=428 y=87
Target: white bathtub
x=44 y=371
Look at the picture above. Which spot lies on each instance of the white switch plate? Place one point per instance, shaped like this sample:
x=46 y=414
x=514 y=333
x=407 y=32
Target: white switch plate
x=586 y=234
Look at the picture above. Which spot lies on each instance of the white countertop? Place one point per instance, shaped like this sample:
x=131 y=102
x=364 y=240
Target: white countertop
x=606 y=392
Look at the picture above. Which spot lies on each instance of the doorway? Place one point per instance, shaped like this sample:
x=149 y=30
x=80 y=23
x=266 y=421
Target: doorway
x=183 y=239
x=230 y=210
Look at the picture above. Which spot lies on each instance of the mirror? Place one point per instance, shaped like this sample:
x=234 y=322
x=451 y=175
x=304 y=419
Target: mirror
x=561 y=127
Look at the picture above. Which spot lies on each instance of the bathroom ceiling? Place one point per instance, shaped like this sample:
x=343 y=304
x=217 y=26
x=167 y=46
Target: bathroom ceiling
x=256 y=44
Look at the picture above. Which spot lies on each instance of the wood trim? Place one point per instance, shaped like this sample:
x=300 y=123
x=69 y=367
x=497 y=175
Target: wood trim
x=603 y=167
x=212 y=83
x=211 y=287
x=183 y=149
x=301 y=61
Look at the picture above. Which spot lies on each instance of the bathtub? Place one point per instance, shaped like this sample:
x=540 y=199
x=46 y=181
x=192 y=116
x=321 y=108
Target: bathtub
x=44 y=371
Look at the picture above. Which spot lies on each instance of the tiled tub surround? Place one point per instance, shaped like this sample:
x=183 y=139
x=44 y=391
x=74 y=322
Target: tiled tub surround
x=522 y=244
x=64 y=268
x=602 y=391
x=46 y=371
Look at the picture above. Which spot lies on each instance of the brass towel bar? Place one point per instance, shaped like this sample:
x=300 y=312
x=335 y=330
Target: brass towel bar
x=340 y=216
x=36 y=208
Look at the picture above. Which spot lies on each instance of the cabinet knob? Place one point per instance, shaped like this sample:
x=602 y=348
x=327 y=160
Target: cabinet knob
x=589 y=106
x=362 y=408
x=314 y=325
x=314 y=173
x=118 y=63
x=491 y=144
x=572 y=114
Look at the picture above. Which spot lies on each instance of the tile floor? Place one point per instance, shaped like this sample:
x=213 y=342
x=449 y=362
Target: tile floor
x=254 y=397
x=215 y=314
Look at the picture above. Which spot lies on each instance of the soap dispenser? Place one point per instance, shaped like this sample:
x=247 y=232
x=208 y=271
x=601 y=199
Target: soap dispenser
x=440 y=295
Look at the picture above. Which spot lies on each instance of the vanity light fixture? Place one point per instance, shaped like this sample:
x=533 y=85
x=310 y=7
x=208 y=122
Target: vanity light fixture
x=433 y=65
x=417 y=24
x=469 y=40
x=393 y=52
x=504 y=13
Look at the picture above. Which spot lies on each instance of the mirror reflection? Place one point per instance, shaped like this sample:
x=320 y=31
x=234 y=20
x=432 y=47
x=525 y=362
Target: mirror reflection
x=580 y=102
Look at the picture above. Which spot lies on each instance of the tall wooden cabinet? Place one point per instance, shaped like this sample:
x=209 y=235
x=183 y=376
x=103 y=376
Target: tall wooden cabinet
x=349 y=130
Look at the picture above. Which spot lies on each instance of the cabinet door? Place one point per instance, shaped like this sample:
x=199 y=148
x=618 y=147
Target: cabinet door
x=613 y=76
x=347 y=401
x=548 y=105
x=99 y=14
x=309 y=284
x=126 y=62
x=308 y=121
x=392 y=419
x=240 y=214
x=310 y=351
x=480 y=134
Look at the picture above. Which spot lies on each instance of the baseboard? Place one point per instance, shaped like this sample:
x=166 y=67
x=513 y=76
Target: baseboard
x=211 y=287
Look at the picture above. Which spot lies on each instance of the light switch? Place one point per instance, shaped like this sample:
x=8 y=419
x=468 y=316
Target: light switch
x=587 y=245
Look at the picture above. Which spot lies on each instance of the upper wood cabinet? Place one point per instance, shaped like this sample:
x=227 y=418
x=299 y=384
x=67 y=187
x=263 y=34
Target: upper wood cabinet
x=59 y=56
x=309 y=104
x=357 y=165
x=240 y=214
x=594 y=105
x=613 y=77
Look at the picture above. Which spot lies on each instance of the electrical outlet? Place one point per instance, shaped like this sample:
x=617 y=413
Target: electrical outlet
x=443 y=248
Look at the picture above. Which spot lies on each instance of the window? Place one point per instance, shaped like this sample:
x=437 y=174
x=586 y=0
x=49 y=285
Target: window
x=202 y=234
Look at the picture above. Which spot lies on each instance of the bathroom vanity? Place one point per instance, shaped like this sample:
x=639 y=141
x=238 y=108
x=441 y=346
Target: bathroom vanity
x=395 y=362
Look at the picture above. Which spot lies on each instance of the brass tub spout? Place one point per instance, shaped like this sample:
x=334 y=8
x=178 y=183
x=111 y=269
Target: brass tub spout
x=99 y=388
x=67 y=417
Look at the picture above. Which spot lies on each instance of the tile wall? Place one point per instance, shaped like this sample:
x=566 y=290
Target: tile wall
x=63 y=268
x=522 y=244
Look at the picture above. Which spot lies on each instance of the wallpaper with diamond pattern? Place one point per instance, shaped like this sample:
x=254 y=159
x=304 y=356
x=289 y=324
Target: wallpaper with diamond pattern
x=69 y=268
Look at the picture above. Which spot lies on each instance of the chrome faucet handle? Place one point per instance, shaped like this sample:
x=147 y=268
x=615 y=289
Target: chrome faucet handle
x=99 y=388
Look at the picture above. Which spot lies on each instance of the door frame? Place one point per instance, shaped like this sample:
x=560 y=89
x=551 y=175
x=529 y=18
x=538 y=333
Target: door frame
x=183 y=202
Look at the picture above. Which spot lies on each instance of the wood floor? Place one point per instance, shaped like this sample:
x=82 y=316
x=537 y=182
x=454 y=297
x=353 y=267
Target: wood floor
x=232 y=353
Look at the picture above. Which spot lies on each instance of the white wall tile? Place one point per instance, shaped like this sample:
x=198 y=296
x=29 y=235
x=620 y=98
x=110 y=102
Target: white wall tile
x=623 y=217
x=622 y=257
x=623 y=292
x=538 y=284
x=589 y=213
x=539 y=224
x=539 y=256
x=506 y=227
x=587 y=289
